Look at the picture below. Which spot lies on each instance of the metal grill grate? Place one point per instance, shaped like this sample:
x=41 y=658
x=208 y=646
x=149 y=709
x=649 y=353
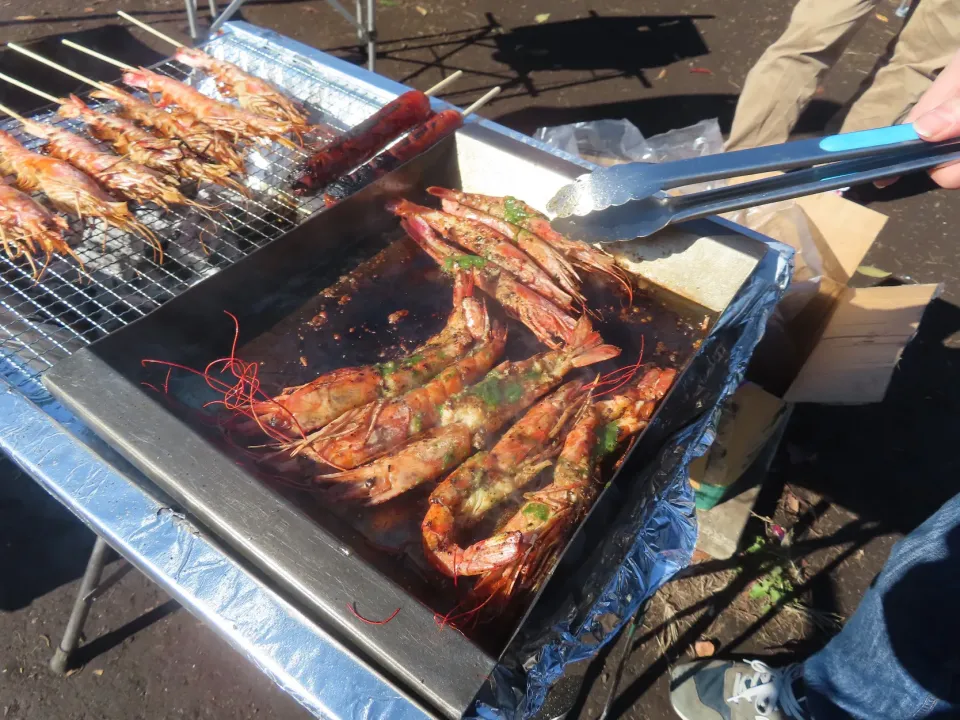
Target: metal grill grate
x=43 y=322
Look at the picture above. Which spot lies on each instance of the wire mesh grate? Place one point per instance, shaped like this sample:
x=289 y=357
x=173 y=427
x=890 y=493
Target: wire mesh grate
x=44 y=321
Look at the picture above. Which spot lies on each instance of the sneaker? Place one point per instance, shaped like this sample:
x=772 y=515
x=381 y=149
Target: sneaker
x=724 y=690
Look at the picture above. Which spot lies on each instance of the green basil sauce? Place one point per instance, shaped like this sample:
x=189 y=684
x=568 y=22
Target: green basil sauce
x=463 y=262
x=537 y=511
x=513 y=211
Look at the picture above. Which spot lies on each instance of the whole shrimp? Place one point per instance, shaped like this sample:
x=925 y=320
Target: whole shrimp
x=544 y=520
x=68 y=189
x=256 y=95
x=320 y=401
x=508 y=214
x=488 y=244
x=550 y=258
x=544 y=319
x=124 y=177
x=127 y=138
x=177 y=124
x=487 y=478
x=26 y=224
x=361 y=435
x=476 y=412
x=235 y=122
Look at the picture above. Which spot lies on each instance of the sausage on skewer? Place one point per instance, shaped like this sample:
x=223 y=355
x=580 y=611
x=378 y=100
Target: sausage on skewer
x=419 y=140
x=360 y=143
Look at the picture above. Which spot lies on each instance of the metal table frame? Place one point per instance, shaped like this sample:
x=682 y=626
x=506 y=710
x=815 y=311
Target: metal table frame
x=112 y=498
x=364 y=22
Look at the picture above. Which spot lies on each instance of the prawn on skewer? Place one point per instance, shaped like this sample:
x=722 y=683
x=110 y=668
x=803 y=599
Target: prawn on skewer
x=487 y=478
x=313 y=405
x=127 y=138
x=476 y=412
x=236 y=123
x=68 y=189
x=516 y=213
x=544 y=319
x=256 y=95
x=543 y=522
x=177 y=124
x=488 y=244
x=120 y=175
x=26 y=225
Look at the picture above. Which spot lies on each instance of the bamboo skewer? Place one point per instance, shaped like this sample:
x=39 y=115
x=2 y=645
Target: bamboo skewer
x=30 y=88
x=56 y=66
x=149 y=29
x=443 y=83
x=99 y=56
x=482 y=100
x=13 y=113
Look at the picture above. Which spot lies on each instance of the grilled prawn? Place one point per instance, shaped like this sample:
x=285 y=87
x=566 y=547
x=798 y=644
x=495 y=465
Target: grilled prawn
x=26 y=225
x=544 y=520
x=67 y=188
x=127 y=138
x=236 y=123
x=508 y=214
x=256 y=95
x=320 y=401
x=177 y=124
x=487 y=478
x=124 y=177
x=475 y=413
x=488 y=244
x=361 y=435
x=544 y=319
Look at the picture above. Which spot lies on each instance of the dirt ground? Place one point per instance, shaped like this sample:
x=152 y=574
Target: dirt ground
x=847 y=482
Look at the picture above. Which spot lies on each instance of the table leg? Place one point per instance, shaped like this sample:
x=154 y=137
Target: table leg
x=191 y=7
x=371 y=35
x=91 y=578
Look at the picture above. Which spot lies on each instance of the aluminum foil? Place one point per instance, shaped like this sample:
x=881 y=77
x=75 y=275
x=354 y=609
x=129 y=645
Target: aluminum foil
x=658 y=525
x=114 y=500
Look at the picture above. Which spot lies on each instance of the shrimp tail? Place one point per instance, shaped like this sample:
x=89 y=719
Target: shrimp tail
x=589 y=346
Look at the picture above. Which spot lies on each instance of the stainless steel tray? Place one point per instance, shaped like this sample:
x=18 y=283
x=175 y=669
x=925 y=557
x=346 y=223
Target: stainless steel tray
x=323 y=567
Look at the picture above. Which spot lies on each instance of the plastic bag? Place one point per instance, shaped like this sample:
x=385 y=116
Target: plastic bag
x=610 y=142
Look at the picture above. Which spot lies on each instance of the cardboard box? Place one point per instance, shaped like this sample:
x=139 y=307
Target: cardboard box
x=840 y=347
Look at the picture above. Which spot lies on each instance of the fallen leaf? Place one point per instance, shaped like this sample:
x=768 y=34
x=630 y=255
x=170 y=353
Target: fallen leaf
x=701 y=71
x=882 y=18
x=389 y=3
x=88 y=9
x=541 y=18
x=73 y=671
x=98 y=672
x=662 y=74
x=303 y=361
x=704 y=648
x=873 y=272
x=422 y=10
x=46 y=639
x=25 y=18
x=792 y=503
x=309 y=9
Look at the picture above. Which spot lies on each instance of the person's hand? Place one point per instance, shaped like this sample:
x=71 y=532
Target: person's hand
x=936 y=116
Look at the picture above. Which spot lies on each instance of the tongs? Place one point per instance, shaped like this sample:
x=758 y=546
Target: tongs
x=623 y=202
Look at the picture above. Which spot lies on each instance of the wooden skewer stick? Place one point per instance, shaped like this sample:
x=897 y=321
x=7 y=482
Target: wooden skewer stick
x=443 y=83
x=144 y=26
x=99 y=56
x=30 y=88
x=61 y=68
x=483 y=100
x=13 y=113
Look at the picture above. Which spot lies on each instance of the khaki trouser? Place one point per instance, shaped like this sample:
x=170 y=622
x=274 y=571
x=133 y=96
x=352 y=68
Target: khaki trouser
x=786 y=76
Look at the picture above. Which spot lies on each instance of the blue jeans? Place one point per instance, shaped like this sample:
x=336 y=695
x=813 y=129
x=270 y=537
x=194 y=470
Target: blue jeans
x=899 y=655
